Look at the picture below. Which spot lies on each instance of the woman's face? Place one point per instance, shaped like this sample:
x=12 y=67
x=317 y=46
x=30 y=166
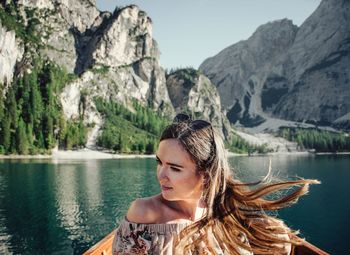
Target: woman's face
x=176 y=172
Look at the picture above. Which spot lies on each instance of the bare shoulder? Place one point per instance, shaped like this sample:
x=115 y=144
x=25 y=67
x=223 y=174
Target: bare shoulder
x=144 y=210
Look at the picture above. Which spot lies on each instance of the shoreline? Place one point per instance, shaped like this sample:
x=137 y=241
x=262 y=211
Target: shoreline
x=87 y=154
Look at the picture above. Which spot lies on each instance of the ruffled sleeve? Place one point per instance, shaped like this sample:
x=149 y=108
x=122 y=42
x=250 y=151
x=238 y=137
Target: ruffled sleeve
x=131 y=240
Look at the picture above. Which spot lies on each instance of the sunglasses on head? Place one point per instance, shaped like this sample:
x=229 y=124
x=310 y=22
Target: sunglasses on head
x=182 y=117
x=196 y=124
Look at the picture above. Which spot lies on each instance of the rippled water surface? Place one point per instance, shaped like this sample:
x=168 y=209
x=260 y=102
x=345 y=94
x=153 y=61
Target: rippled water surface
x=64 y=207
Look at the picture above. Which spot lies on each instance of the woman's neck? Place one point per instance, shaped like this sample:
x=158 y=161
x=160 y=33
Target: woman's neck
x=191 y=209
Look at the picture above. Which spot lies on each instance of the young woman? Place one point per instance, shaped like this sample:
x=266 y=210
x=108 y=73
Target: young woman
x=202 y=209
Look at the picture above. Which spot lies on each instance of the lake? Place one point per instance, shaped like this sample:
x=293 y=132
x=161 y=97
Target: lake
x=66 y=206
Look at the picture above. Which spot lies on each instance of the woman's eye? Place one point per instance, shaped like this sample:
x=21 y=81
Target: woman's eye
x=158 y=162
x=175 y=169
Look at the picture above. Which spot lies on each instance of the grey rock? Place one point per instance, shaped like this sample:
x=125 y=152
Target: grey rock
x=77 y=13
x=319 y=71
x=238 y=70
x=122 y=43
x=193 y=92
x=281 y=71
x=58 y=20
x=11 y=51
x=126 y=39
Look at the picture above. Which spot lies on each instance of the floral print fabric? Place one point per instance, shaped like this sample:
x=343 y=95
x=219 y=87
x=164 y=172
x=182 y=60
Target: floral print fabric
x=137 y=239
x=144 y=239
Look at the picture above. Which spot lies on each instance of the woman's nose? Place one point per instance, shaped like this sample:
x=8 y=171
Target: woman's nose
x=162 y=173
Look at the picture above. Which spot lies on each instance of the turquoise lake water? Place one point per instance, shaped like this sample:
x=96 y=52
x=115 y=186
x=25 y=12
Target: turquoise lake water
x=64 y=207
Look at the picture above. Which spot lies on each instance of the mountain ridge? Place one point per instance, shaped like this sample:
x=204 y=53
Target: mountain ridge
x=299 y=81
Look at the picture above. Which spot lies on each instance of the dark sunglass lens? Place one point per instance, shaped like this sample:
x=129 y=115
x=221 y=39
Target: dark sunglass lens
x=181 y=117
x=199 y=124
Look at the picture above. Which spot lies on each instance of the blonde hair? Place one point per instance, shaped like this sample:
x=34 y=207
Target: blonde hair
x=235 y=214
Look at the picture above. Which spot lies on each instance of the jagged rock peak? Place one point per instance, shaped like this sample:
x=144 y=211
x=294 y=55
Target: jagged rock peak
x=127 y=39
x=281 y=31
x=267 y=41
x=77 y=13
x=233 y=69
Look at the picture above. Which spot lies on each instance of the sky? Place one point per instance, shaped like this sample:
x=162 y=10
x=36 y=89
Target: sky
x=189 y=31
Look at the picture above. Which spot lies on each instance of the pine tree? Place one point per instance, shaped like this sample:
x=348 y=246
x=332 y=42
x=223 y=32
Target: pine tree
x=12 y=107
x=150 y=147
x=142 y=146
x=36 y=105
x=152 y=123
x=62 y=131
x=72 y=138
x=121 y=143
x=2 y=118
x=30 y=138
x=40 y=143
x=82 y=134
x=21 y=138
x=25 y=94
x=2 y=107
x=48 y=130
x=6 y=133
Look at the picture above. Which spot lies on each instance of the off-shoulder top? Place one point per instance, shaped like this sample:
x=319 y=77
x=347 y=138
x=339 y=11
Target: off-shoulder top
x=137 y=238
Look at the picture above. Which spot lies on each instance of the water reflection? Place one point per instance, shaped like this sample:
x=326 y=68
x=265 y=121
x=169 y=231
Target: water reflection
x=66 y=197
x=92 y=183
x=4 y=236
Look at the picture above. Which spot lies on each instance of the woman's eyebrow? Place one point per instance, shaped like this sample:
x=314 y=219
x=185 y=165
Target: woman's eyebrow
x=172 y=164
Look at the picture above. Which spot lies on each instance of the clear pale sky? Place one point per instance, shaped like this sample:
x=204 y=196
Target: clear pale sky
x=189 y=31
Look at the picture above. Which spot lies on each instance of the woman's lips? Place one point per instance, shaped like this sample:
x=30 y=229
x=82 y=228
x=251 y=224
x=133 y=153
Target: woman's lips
x=165 y=188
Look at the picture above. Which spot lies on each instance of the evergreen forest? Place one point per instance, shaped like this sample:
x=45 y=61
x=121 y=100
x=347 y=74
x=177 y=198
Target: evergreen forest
x=316 y=139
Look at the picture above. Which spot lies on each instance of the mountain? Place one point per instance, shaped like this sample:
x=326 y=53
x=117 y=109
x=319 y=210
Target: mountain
x=58 y=57
x=284 y=72
x=69 y=72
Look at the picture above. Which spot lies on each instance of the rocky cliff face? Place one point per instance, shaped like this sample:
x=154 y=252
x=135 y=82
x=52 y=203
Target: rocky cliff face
x=11 y=51
x=189 y=90
x=58 y=25
x=319 y=74
x=282 y=71
x=237 y=71
x=123 y=58
x=127 y=39
x=113 y=54
x=78 y=14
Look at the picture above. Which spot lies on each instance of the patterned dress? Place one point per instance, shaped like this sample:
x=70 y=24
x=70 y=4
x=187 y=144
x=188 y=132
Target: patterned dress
x=137 y=239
